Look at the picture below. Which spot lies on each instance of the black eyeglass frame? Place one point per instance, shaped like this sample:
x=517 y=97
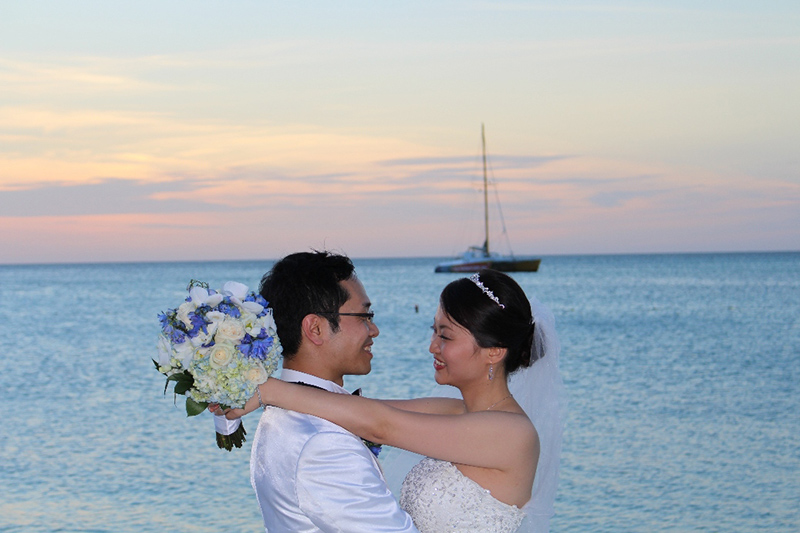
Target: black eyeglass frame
x=369 y=316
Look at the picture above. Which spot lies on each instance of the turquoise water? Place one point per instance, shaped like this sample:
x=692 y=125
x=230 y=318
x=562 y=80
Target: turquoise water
x=682 y=375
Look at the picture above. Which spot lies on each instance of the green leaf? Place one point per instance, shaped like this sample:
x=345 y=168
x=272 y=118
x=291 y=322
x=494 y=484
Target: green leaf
x=183 y=381
x=194 y=408
x=182 y=386
x=181 y=376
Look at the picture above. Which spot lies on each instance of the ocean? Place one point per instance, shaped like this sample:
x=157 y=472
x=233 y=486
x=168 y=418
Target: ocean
x=682 y=374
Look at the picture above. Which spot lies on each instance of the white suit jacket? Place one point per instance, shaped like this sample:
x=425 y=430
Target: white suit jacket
x=311 y=475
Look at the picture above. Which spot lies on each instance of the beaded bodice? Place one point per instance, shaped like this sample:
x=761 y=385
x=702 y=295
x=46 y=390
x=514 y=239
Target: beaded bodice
x=440 y=498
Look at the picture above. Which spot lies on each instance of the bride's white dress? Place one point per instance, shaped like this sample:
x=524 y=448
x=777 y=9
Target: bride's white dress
x=440 y=498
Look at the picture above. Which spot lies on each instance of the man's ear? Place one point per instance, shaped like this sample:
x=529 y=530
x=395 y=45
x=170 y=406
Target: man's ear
x=313 y=329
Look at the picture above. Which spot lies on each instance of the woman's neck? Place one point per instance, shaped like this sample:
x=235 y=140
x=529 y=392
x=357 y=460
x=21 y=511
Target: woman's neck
x=485 y=396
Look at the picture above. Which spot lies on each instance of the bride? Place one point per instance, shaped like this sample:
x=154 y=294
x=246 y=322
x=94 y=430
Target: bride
x=492 y=456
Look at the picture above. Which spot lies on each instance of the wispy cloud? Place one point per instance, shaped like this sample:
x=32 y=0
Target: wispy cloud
x=498 y=161
x=102 y=198
x=70 y=75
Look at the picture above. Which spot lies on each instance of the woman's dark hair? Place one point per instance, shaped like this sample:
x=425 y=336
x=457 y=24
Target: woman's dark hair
x=301 y=284
x=493 y=326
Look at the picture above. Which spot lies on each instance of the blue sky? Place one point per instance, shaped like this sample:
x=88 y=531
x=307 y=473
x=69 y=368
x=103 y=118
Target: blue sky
x=148 y=130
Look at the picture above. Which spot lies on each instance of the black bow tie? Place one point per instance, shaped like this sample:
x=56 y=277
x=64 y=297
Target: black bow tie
x=356 y=392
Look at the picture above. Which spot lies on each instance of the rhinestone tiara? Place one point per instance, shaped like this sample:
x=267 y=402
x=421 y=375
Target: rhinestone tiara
x=476 y=279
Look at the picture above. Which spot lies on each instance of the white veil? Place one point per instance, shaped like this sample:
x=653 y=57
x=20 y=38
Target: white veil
x=539 y=390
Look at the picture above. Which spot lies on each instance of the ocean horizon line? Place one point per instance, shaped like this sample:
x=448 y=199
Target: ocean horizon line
x=398 y=257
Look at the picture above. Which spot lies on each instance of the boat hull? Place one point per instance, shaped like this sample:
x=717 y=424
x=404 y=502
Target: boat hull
x=503 y=265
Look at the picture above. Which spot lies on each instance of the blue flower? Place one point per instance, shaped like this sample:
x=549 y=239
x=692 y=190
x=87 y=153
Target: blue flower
x=258 y=349
x=263 y=334
x=164 y=320
x=257 y=298
x=175 y=334
x=228 y=309
x=198 y=324
x=374 y=448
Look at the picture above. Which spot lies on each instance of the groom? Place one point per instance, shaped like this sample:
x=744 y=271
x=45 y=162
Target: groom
x=309 y=474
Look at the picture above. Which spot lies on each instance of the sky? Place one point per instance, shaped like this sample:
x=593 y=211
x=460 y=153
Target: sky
x=215 y=130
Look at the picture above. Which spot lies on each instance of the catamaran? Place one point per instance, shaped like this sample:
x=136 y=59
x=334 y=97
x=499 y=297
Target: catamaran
x=479 y=257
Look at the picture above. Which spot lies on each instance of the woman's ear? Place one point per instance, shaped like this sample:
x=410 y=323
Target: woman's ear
x=313 y=329
x=497 y=354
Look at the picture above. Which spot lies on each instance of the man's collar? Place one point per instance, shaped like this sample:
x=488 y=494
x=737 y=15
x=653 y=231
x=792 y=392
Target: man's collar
x=288 y=374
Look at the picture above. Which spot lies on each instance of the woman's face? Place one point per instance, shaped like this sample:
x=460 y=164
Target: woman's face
x=456 y=357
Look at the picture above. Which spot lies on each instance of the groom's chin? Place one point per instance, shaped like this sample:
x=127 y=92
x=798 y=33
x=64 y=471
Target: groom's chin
x=364 y=368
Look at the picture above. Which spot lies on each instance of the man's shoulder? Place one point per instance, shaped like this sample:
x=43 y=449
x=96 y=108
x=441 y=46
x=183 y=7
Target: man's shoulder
x=287 y=437
x=278 y=425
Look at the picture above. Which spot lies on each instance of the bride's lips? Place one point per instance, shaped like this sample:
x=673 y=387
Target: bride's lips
x=437 y=364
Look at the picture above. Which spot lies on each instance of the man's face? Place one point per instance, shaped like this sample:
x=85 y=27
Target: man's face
x=350 y=348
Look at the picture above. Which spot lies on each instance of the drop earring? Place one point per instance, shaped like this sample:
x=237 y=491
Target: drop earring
x=491 y=371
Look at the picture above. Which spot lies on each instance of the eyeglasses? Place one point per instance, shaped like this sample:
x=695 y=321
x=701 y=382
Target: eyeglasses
x=368 y=317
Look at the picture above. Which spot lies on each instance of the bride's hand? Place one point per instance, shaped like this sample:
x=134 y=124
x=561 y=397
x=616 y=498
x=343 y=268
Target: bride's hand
x=250 y=405
x=232 y=414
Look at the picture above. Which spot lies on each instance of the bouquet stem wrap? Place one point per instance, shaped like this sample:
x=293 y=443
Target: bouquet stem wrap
x=230 y=433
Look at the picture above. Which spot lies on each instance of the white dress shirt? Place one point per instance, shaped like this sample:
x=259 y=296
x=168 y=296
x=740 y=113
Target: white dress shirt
x=311 y=475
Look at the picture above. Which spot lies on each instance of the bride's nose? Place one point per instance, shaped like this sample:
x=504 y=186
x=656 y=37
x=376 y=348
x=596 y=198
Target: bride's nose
x=434 y=347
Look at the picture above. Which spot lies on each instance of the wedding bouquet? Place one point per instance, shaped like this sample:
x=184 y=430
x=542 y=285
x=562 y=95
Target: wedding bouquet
x=216 y=347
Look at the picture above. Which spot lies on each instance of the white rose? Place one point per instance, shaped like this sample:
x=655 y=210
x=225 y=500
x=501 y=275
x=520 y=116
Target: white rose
x=256 y=374
x=230 y=330
x=221 y=355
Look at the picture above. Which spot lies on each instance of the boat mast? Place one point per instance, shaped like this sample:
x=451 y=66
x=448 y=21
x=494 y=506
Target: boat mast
x=485 y=196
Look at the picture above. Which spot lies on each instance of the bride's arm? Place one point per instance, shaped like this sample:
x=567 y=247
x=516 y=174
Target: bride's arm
x=472 y=438
x=433 y=406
